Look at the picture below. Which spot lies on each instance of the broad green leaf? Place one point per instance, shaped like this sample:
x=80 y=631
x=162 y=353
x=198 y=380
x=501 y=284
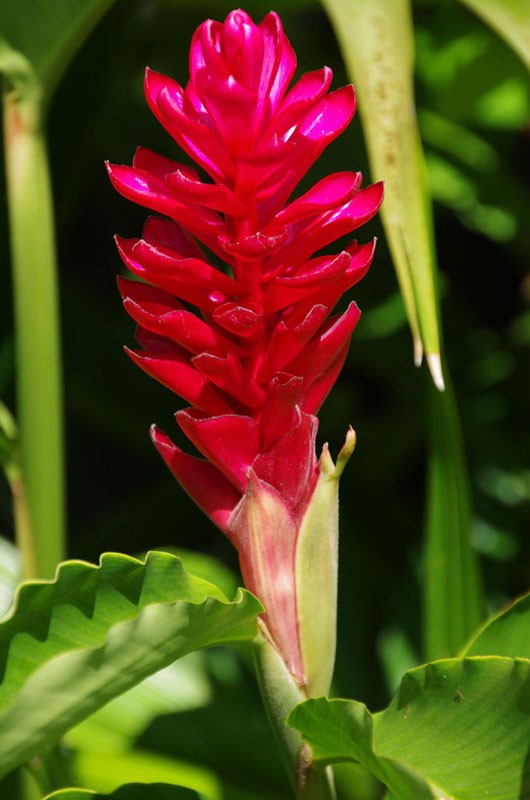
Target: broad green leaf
x=453 y=605
x=376 y=37
x=39 y=37
x=510 y=18
x=457 y=728
x=73 y=644
x=131 y=791
x=506 y=634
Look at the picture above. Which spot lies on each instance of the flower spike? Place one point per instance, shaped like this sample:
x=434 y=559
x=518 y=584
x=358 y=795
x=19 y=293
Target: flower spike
x=252 y=345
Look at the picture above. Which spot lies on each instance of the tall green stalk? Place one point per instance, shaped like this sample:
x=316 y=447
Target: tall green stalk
x=39 y=501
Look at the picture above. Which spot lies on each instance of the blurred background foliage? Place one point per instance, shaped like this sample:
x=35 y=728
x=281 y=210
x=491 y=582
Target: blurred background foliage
x=473 y=97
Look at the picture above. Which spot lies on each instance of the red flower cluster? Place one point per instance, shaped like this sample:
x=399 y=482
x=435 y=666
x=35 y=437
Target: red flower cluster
x=250 y=345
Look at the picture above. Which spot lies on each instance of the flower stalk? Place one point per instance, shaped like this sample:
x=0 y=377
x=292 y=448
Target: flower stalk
x=280 y=695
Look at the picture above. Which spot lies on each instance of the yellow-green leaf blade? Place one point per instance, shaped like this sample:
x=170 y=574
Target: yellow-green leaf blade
x=377 y=44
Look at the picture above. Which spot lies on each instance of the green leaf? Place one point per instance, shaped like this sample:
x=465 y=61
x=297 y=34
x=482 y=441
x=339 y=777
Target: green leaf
x=381 y=65
x=453 y=605
x=457 y=728
x=506 y=634
x=73 y=644
x=39 y=37
x=131 y=791
x=510 y=18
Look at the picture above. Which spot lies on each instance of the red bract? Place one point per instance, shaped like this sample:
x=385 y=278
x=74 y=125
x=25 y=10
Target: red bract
x=251 y=345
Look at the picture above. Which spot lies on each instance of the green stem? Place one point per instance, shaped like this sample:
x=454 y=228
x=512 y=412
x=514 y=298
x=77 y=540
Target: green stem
x=281 y=694
x=40 y=504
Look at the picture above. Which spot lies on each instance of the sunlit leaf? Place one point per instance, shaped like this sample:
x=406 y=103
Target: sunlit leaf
x=455 y=729
x=376 y=37
x=73 y=644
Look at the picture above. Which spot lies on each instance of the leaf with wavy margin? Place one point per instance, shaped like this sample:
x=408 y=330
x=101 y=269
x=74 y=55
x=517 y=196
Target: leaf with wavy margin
x=72 y=644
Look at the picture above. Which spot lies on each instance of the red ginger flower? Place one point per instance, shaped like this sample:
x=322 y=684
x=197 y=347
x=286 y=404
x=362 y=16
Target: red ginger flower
x=251 y=347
